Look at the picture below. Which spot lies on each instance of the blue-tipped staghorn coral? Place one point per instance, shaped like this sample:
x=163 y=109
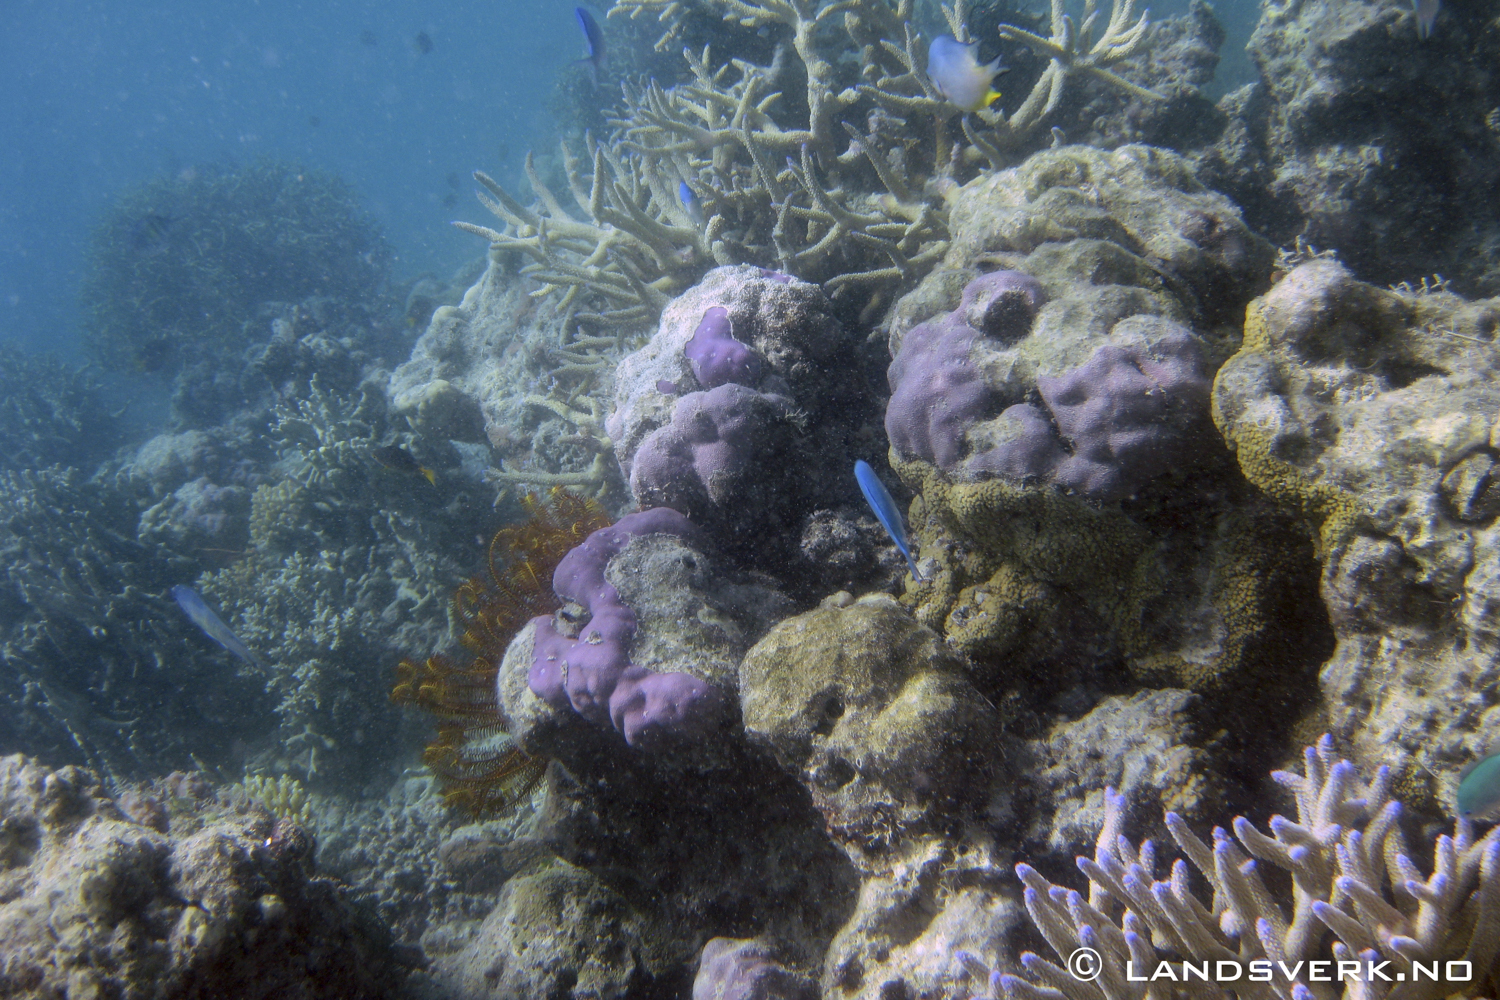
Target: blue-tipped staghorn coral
x=1355 y=895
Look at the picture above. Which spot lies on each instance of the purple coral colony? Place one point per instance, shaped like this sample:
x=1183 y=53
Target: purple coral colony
x=1052 y=547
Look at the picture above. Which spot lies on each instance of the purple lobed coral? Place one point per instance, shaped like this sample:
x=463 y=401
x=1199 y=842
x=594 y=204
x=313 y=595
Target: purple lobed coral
x=719 y=444
x=718 y=358
x=592 y=674
x=937 y=392
x=1108 y=427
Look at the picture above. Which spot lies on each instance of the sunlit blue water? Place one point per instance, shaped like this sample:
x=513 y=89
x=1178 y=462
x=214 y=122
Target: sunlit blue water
x=98 y=96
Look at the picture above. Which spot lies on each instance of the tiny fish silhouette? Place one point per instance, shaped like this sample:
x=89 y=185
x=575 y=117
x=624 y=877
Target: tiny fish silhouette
x=885 y=510
x=422 y=43
x=212 y=625
x=595 y=36
x=690 y=204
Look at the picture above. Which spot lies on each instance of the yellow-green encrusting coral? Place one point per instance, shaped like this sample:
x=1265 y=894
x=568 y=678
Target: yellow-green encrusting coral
x=845 y=181
x=1332 y=512
x=284 y=797
x=1020 y=568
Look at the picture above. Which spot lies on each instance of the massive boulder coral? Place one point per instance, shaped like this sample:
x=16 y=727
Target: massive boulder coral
x=1077 y=513
x=1110 y=424
x=590 y=672
x=166 y=891
x=1371 y=415
x=746 y=460
x=872 y=713
x=647 y=644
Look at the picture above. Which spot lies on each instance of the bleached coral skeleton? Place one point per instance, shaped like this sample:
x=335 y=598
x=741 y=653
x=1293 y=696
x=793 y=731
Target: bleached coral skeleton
x=1356 y=895
x=777 y=193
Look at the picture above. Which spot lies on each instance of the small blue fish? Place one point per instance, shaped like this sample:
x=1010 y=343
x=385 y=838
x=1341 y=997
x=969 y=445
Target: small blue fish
x=212 y=625
x=690 y=203
x=1479 y=790
x=1426 y=12
x=954 y=69
x=885 y=510
x=595 y=36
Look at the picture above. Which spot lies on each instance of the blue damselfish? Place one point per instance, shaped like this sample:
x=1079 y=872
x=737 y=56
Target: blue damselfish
x=886 y=511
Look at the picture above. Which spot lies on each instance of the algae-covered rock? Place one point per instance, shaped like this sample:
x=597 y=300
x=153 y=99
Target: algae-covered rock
x=1108 y=234
x=167 y=891
x=1375 y=166
x=872 y=712
x=874 y=715
x=557 y=933
x=1371 y=414
x=1149 y=746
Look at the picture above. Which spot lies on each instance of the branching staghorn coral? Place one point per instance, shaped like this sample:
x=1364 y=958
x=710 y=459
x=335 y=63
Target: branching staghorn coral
x=1355 y=896
x=770 y=187
x=1073 y=50
x=283 y=796
x=588 y=434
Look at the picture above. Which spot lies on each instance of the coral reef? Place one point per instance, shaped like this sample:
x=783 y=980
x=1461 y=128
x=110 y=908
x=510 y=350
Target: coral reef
x=1121 y=417
x=1354 y=883
x=589 y=670
x=553 y=932
x=501 y=373
x=647 y=644
x=180 y=266
x=479 y=770
x=1088 y=519
x=169 y=892
x=746 y=462
x=1362 y=137
x=87 y=638
x=758 y=149
x=348 y=566
x=872 y=713
x=409 y=858
x=51 y=414
x=731 y=969
x=1369 y=414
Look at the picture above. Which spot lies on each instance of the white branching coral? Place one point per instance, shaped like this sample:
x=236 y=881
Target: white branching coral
x=1355 y=896
x=852 y=192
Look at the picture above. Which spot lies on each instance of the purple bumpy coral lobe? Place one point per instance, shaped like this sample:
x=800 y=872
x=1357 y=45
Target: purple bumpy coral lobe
x=717 y=358
x=937 y=392
x=703 y=462
x=592 y=674
x=1110 y=425
x=1128 y=411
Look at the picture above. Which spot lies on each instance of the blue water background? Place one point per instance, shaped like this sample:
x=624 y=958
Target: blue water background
x=99 y=96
